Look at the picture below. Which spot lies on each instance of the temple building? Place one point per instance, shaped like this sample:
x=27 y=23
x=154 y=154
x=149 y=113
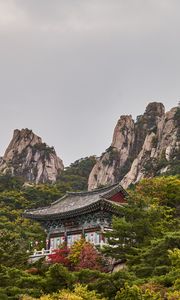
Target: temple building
x=78 y=214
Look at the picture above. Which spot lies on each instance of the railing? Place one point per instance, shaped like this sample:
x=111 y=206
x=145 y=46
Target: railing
x=42 y=252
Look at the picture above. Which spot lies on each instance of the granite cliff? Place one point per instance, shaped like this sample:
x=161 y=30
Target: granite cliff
x=29 y=157
x=143 y=148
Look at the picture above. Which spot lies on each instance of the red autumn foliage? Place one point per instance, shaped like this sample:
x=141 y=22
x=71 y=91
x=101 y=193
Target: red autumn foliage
x=60 y=256
x=89 y=258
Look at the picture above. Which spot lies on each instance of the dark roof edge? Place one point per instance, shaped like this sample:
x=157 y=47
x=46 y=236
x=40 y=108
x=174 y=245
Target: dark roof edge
x=78 y=211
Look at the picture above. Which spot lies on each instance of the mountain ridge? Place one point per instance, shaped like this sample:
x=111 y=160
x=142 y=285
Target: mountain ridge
x=139 y=149
x=143 y=148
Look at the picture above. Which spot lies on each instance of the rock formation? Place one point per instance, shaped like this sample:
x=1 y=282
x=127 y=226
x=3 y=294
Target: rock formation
x=145 y=148
x=29 y=157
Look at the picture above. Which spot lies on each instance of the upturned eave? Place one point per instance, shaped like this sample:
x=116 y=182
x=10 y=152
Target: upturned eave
x=101 y=204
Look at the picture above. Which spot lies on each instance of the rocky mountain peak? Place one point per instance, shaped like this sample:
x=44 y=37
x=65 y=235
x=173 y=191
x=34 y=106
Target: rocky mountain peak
x=21 y=139
x=122 y=131
x=145 y=148
x=29 y=157
x=155 y=109
x=115 y=158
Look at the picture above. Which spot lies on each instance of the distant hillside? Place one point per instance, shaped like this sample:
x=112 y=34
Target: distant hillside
x=142 y=149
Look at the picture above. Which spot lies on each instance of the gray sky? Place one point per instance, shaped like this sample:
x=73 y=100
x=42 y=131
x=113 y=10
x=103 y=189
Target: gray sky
x=70 y=68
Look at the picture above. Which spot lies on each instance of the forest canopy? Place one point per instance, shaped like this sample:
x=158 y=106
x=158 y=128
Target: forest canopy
x=146 y=240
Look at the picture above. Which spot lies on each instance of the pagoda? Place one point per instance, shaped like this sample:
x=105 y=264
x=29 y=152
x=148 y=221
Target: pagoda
x=76 y=214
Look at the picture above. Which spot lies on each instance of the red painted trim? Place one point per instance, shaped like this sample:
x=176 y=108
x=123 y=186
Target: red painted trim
x=119 y=197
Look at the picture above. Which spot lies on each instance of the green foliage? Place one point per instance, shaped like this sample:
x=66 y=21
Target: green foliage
x=135 y=293
x=79 y=293
x=58 y=277
x=15 y=231
x=164 y=190
x=7 y=182
x=113 y=155
x=147 y=237
x=174 y=256
x=42 y=194
x=153 y=166
x=108 y=284
x=75 y=177
x=75 y=251
x=129 y=293
x=141 y=222
x=81 y=167
x=12 y=250
x=175 y=295
x=15 y=282
x=153 y=259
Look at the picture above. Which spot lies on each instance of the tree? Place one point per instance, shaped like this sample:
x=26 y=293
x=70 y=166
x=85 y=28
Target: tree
x=163 y=190
x=174 y=256
x=83 y=255
x=9 y=182
x=154 y=259
x=129 y=293
x=141 y=222
x=60 y=256
x=79 y=293
x=75 y=251
x=173 y=295
x=89 y=258
x=134 y=292
x=58 y=277
x=12 y=249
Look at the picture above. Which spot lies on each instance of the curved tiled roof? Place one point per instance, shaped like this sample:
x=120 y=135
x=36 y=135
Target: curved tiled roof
x=72 y=202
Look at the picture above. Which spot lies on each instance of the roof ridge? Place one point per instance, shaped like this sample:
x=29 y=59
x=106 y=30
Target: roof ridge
x=95 y=191
x=84 y=193
x=57 y=201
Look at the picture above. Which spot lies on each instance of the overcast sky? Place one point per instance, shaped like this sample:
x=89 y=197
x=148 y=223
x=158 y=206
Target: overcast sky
x=70 y=68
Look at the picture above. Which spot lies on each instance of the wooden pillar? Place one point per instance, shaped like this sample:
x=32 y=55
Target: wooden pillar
x=48 y=241
x=83 y=233
x=101 y=236
x=65 y=236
